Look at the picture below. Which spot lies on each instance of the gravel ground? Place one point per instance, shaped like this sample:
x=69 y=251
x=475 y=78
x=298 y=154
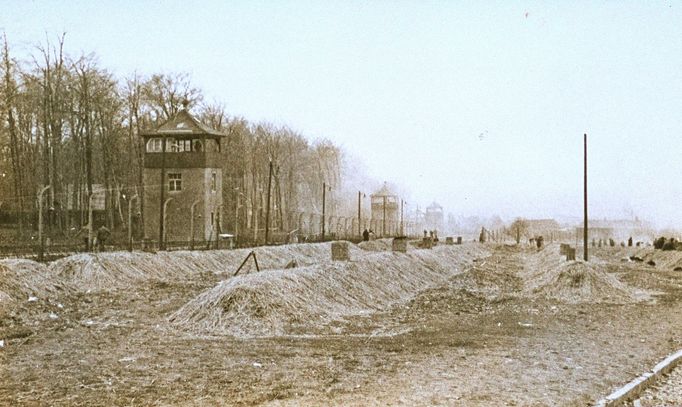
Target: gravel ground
x=475 y=341
x=667 y=392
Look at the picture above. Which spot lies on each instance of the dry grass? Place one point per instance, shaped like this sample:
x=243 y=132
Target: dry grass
x=380 y=245
x=278 y=301
x=21 y=279
x=23 y=283
x=548 y=274
x=120 y=270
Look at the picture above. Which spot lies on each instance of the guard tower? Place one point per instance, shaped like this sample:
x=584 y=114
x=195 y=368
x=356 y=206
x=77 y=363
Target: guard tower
x=183 y=181
x=385 y=211
x=433 y=218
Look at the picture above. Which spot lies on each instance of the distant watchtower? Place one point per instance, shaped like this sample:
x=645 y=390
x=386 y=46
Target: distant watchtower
x=433 y=218
x=385 y=211
x=183 y=180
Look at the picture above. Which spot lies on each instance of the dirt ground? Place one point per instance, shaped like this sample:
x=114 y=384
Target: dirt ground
x=446 y=346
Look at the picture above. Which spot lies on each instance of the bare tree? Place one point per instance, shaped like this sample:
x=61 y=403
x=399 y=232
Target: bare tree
x=518 y=229
x=165 y=93
x=9 y=93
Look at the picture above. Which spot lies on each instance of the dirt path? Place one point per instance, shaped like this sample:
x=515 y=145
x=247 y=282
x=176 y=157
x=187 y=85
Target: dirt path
x=471 y=342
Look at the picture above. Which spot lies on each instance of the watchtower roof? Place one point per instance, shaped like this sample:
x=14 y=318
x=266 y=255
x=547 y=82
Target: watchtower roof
x=435 y=207
x=183 y=124
x=384 y=191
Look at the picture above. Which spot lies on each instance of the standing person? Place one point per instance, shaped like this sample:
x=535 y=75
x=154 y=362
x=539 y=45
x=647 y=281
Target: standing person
x=84 y=230
x=103 y=234
x=539 y=241
x=365 y=235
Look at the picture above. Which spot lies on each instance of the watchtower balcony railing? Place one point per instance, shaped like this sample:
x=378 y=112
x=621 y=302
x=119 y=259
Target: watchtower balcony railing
x=199 y=159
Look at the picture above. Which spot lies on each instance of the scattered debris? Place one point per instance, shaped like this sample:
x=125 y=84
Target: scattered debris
x=126 y=359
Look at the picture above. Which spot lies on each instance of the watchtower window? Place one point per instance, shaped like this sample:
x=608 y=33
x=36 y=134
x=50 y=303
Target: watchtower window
x=180 y=146
x=197 y=146
x=154 y=145
x=214 y=182
x=174 y=182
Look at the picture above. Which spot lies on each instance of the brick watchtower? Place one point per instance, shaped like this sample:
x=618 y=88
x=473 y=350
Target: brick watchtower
x=183 y=181
x=433 y=218
x=385 y=211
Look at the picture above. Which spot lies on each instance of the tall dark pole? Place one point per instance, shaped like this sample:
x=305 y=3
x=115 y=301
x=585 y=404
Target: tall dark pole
x=402 y=225
x=359 y=215
x=267 y=209
x=585 y=204
x=383 y=225
x=162 y=244
x=236 y=221
x=130 y=222
x=324 y=191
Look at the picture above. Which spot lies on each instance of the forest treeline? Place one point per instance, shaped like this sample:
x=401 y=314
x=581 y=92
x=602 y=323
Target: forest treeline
x=70 y=124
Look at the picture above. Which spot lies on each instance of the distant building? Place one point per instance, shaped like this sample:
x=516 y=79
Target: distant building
x=618 y=229
x=385 y=217
x=187 y=153
x=596 y=233
x=543 y=227
x=433 y=217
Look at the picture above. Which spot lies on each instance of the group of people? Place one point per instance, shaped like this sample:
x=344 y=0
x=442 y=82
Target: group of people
x=433 y=234
x=101 y=236
x=367 y=235
x=537 y=241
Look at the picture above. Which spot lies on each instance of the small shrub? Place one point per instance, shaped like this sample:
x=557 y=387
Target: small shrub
x=669 y=245
x=658 y=243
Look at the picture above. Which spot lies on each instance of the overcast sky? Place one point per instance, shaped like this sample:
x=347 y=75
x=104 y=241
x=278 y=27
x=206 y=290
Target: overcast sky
x=481 y=107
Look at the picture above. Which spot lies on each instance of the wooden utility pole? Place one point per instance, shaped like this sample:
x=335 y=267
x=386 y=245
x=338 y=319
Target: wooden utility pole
x=90 y=221
x=585 y=203
x=162 y=204
x=359 y=215
x=267 y=208
x=163 y=222
x=130 y=222
x=324 y=192
x=236 y=219
x=402 y=224
x=383 y=223
x=41 y=241
x=191 y=224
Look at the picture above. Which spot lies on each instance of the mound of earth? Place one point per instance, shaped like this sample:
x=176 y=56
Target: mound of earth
x=24 y=281
x=664 y=259
x=491 y=278
x=579 y=282
x=379 y=245
x=278 y=302
x=119 y=270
